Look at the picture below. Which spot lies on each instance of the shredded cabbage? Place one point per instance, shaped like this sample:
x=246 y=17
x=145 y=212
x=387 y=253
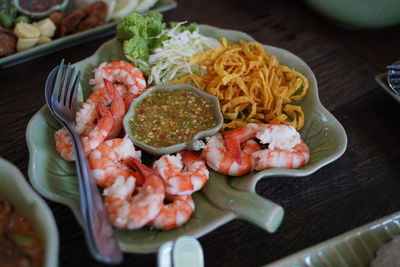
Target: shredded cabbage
x=171 y=60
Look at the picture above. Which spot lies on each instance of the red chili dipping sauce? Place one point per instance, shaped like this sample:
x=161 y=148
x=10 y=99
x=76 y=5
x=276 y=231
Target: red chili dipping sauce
x=166 y=118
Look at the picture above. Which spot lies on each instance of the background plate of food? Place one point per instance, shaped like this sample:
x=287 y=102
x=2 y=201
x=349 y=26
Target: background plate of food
x=374 y=244
x=223 y=198
x=40 y=33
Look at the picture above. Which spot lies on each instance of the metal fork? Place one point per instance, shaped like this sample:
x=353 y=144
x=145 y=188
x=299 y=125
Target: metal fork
x=393 y=77
x=60 y=93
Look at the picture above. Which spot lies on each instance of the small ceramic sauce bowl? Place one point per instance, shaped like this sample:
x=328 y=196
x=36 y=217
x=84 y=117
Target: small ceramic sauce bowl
x=41 y=14
x=27 y=203
x=192 y=144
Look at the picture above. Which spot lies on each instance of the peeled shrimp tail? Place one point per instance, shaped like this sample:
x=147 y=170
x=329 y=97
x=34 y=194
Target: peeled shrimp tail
x=233 y=139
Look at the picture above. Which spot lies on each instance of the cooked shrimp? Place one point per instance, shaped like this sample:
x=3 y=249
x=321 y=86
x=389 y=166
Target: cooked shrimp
x=86 y=118
x=183 y=174
x=221 y=160
x=132 y=212
x=117 y=108
x=129 y=97
x=294 y=158
x=107 y=161
x=64 y=144
x=100 y=131
x=174 y=214
x=233 y=138
x=100 y=95
x=128 y=77
x=285 y=147
x=90 y=141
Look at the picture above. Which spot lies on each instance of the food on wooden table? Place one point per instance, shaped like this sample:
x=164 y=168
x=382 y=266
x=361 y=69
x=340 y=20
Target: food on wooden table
x=252 y=87
x=235 y=152
x=168 y=117
x=19 y=243
x=388 y=254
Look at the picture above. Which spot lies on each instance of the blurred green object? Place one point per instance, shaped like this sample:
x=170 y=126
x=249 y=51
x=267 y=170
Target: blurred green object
x=138 y=34
x=6 y=19
x=359 y=14
x=23 y=19
x=8 y=12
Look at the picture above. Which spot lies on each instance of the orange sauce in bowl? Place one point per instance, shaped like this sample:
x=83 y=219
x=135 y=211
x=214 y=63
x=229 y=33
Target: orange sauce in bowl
x=19 y=243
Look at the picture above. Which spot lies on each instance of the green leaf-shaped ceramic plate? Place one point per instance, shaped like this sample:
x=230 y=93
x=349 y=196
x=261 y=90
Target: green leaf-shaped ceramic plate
x=357 y=247
x=223 y=198
x=32 y=207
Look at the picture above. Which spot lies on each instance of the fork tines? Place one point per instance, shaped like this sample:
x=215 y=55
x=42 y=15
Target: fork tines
x=65 y=85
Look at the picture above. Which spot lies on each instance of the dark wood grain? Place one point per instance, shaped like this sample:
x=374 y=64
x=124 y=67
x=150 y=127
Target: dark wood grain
x=361 y=186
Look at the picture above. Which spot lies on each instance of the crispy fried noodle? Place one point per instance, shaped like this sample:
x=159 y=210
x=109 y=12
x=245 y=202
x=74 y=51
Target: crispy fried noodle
x=252 y=86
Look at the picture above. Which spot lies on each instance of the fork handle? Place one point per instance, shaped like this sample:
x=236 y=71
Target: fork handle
x=98 y=232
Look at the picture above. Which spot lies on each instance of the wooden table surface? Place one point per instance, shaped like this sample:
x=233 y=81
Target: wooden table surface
x=361 y=186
